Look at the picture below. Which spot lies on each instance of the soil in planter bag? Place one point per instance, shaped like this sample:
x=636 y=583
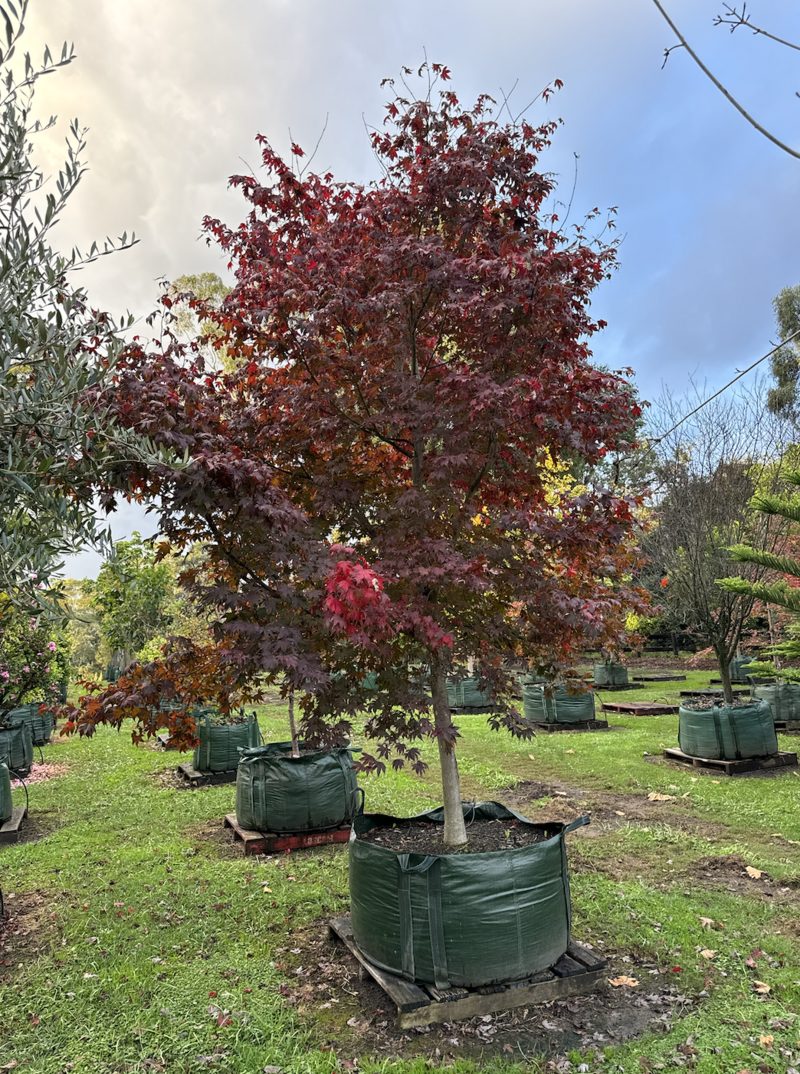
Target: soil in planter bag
x=783 y=699
x=218 y=749
x=726 y=733
x=276 y=792
x=610 y=675
x=465 y=694
x=6 y=805
x=462 y=920
x=559 y=707
x=39 y=725
x=16 y=745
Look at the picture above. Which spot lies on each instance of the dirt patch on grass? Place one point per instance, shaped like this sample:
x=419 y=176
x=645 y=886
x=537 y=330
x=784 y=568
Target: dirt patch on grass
x=213 y=834
x=730 y=872
x=324 y=981
x=24 y=931
x=38 y=824
x=608 y=810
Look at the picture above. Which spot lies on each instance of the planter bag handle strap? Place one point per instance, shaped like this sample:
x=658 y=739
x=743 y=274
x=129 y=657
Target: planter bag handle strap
x=430 y=867
x=358 y=808
x=718 y=730
x=578 y=823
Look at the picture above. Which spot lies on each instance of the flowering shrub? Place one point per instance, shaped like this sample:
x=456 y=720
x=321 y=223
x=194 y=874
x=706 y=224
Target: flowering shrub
x=31 y=663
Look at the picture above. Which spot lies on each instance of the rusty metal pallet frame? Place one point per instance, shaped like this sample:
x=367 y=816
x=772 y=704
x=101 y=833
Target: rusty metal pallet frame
x=781 y=759
x=268 y=842
x=9 y=832
x=576 y=972
x=639 y=708
x=205 y=779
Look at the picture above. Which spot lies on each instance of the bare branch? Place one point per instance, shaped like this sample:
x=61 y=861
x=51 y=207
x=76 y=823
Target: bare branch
x=721 y=88
x=735 y=20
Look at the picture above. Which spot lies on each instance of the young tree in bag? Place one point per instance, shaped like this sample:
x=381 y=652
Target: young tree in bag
x=373 y=481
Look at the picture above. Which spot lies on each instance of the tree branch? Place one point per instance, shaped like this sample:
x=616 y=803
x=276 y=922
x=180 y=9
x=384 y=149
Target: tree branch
x=721 y=88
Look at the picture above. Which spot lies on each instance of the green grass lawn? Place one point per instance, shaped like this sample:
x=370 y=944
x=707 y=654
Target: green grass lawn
x=140 y=939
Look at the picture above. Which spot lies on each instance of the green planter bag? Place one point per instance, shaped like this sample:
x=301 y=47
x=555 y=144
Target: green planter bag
x=610 y=675
x=461 y=920
x=218 y=749
x=559 y=707
x=16 y=745
x=783 y=698
x=738 y=668
x=6 y=805
x=464 y=694
x=727 y=734
x=39 y=725
x=276 y=792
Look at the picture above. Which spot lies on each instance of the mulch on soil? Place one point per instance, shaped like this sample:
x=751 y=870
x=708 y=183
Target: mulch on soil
x=421 y=837
x=40 y=773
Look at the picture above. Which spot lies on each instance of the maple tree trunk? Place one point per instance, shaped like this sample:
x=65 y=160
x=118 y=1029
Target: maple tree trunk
x=455 y=831
x=293 y=727
x=725 y=675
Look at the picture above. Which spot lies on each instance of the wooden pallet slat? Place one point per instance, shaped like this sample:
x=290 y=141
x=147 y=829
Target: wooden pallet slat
x=268 y=842
x=659 y=678
x=581 y=970
x=580 y=725
x=197 y=779
x=10 y=831
x=640 y=708
x=781 y=759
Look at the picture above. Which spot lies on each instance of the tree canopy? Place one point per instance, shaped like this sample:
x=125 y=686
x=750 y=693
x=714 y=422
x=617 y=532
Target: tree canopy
x=373 y=482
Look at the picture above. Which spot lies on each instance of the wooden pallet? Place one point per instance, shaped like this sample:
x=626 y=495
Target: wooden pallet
x=164 y=739
x=421 y=1005
x=787 y=726
x=615 y=686
x=659 y=678
x=580 y=725
x=781 y=759
x=640 y=708
x=709 y=692
x=9 y=832
x=205 y=779
x=472 y=710
x=268 y=842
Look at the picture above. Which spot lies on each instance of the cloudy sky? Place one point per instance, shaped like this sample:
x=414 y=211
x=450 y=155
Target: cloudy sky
x=174 y=91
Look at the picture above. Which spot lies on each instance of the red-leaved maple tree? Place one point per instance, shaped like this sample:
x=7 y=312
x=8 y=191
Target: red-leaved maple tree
x=374 y=483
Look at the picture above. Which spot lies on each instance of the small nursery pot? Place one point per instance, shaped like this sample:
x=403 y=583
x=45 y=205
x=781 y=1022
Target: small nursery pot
x=276 y=792
x=219 y=745
x=610 y=675
x=557 y=707
x=727 y=732
x=461 y=920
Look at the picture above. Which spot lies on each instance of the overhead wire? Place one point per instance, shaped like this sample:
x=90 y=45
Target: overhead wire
x=744 y=372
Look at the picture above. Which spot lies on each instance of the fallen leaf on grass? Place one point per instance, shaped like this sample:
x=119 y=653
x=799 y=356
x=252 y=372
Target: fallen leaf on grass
x=715 y=781
x=570 y=751
x=755 y=873
x=766 y=1039
x=531 y=757
x=617 y=981
x=656 y=796
x=709 y=923
x=761 y=988
x=619 y=813
x=707 y=953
